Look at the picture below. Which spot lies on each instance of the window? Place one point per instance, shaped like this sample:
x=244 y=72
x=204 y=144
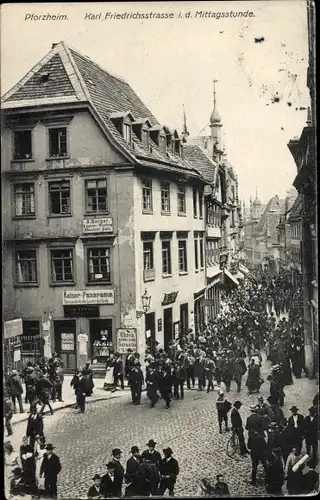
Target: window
x=26 y=266
x=147 y=255
x=127 y=133
x=59 y=193
x=182 y=249
x=147 y=195
x=201 y=253
x=145 y=137
x=166 y=257
x=200 y=204
x=177 y=147
x=181 y=199
x=195 y=212
x=99 y=264
x=165 y=197
x=196 y=254
x=22 y=145
x=58 y=142
x=61 y=265
x=232 y=193
x=31 y=339
x=24 y=199
x=96 y=196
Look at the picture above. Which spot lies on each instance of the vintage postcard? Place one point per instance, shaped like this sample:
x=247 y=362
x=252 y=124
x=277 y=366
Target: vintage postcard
x=159 y=249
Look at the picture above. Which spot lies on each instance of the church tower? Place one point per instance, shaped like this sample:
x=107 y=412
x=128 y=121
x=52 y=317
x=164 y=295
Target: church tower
x=215 y=125
x=256 y=207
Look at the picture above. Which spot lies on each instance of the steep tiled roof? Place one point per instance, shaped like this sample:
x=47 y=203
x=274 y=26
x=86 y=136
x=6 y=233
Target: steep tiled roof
x=274 y=205
x=202 y=162
x=74 y=77
x=60 y=85
x=296 y=209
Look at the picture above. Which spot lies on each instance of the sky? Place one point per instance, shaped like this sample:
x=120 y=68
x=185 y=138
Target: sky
x=172 y=62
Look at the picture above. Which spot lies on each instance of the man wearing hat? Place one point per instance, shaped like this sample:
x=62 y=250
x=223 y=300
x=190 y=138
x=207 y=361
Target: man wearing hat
x=14 y=386
x=31 y=382
x=96 y=489
x=108 y=481
x=133 y=473
x=118 y=472
x=311 y=426
x=152 y=384
x=136 y=380
x=118 y=372
x=151 y=454
x=223 y=407
x=255 y=422
x=50 y=469
x=237 y=427
x=295 y=428
x=169 y=470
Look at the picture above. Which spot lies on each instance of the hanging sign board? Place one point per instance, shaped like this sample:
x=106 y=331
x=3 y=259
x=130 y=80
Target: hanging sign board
x=67 y=342
x=12 y=328
x=126 y=339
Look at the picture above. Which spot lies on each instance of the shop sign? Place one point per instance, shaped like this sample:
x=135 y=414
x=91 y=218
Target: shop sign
x=80 y=297
x=126 y=339
x=169 y=298
x=67 y=342
x=176 y=329
x=207 y=302
x=81 y=311
x=17 y=355
x=98 y=225
x=159 y=325
x=82 y=339
x=12 y=328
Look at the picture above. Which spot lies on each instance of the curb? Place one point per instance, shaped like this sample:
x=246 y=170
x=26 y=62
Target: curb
x=69 y=405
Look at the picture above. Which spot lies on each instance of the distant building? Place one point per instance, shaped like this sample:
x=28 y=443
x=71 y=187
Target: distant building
x=303 y=150
x=225 y=196
x=261 y=239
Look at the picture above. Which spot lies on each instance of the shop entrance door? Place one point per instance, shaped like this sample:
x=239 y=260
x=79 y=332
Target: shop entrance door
x=65 y=343
x=184 y=319
x=167 y=326
x=150 y=330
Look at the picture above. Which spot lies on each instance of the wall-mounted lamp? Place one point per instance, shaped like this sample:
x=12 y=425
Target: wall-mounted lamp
x=146 y=299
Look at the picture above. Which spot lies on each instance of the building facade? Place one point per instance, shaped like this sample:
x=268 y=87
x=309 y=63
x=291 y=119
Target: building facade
x=261 y=237
x=104 y=219
x=303 y=150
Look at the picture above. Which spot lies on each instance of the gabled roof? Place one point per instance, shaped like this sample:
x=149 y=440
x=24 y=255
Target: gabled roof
x=274 y=205
x=295 y=211
x=74 y=78
x=202 y=162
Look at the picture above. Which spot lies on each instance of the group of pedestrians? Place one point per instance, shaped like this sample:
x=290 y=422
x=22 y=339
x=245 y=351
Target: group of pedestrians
x=145 y=474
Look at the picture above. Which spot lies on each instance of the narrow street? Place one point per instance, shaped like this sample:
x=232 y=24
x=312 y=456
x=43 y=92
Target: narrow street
x=189 y=427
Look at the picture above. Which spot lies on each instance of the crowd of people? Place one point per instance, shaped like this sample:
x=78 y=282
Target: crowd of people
x=225 y=351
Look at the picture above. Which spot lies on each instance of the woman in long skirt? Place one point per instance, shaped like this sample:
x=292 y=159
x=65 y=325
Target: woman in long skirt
x=253 y=380
x=40 y=450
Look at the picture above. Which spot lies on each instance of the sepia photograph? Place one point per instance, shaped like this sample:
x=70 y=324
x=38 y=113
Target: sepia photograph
x=159 y=249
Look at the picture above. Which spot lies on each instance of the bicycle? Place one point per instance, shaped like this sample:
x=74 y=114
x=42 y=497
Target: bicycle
x=233 y=444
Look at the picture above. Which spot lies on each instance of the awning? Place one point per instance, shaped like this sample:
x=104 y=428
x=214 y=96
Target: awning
x=239 y=276
x=243 y=269
x=231 y=277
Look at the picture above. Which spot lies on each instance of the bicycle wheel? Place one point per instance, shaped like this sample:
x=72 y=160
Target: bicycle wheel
x=232 y=445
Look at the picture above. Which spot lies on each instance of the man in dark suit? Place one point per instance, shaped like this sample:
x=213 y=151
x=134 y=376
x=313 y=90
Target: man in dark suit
x=169 y=470
x=237 y=427
x=133 y=474
x=118 y=372
x=108 y=481
x=118 y=472
x=50 y=468
x=165 y=385
x=295 y=428
x=152 y=384
x=258 y=451
x=96 y=489
x=151 y=454
x=311 y=429
x=34 y=426
x=255 y=422
x=135 y=380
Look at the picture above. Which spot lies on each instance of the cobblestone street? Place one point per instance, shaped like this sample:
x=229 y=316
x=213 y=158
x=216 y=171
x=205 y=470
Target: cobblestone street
x=84 y=442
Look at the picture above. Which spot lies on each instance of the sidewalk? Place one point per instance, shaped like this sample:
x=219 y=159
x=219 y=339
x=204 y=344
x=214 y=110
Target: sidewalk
x=69 y=398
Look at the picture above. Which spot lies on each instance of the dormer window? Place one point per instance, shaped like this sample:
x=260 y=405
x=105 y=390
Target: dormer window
x=127 y=133
x=162 y=142
x=145 y=137
x=177 y=147
x=169 y=141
